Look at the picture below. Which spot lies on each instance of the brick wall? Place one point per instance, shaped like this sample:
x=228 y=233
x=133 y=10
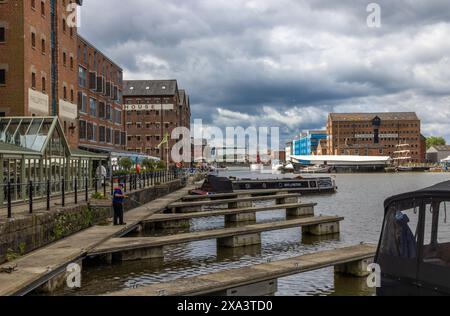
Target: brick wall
x=98 y=64
x=11 y=58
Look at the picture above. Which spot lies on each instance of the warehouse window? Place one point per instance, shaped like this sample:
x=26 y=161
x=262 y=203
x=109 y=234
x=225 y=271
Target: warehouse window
x=2 y=35
x=44 y=85
x=82 y=130
x=90 y=132
x=33 y=80
x=108 y=136
x=42 y=8
x=93 y=107
x=102 y=134
x=33 y=40
x=2 y=76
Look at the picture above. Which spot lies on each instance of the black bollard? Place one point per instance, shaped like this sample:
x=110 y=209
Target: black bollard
x=9 y=200
x=76 y=190
x=30 y=196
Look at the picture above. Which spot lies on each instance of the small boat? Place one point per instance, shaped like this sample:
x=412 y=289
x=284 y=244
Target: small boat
x=316 y=169
x=277 y=166
x=437 y=170
x=214 y=185
x=289 y=167
x=412 y=168
x=414 y=248
x=390 y=169
x=257 y=167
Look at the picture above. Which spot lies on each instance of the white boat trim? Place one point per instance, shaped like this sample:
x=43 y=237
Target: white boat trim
x=344 y=160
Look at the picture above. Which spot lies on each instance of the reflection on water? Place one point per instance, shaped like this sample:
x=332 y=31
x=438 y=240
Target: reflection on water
x=359 y=200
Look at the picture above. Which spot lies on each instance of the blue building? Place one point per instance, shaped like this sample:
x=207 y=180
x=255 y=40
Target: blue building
x=308 y=142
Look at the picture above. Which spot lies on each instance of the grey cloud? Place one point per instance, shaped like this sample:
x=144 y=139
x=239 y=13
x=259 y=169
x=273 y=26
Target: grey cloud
x=248 y=56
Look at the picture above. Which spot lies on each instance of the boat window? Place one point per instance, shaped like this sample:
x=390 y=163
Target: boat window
x=400 y=234
x=436 y=248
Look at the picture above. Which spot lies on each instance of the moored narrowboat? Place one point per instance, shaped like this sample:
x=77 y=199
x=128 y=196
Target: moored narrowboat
x=414 y=248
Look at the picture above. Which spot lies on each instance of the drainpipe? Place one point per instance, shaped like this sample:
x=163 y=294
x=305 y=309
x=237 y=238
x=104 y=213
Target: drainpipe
x=54 y=50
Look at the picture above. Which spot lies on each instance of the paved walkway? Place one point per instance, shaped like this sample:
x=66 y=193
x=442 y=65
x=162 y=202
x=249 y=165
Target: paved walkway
x=33 y=268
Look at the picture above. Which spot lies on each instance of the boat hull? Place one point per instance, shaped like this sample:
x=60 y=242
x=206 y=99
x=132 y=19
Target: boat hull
x=312 y=185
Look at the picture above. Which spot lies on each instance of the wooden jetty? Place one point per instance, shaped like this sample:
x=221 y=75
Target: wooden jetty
x=152 y=247
x=241 y=202
x=259 y=280
x=239 y=194
x=182 y=220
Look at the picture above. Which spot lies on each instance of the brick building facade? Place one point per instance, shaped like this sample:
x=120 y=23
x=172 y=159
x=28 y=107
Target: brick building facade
x=154 y=108
x=375 y=134
x=38 y=73
x=100 y=104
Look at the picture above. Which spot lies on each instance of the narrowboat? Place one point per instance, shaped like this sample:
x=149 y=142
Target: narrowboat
x=414 y=247
x=298 y=184
x=218 y=185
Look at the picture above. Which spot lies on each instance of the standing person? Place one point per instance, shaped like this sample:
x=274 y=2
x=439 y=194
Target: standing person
x=118 y=198
x=101 y=174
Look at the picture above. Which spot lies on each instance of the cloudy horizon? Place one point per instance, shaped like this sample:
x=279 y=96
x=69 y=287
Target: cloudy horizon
x=285 y=63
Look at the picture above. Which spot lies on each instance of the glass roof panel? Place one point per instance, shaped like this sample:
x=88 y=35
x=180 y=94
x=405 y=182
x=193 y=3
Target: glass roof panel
x=3 y=125
x=41 y=135
x=11 y=131
x=20 y=138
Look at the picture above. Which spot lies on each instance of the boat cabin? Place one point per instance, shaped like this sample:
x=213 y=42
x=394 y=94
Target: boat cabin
x=414 y=248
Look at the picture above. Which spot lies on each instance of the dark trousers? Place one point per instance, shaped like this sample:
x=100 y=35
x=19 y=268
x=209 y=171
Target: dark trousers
x=118 y=213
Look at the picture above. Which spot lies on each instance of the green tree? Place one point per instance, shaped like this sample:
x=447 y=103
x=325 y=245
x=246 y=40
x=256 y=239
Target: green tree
x=149 y=164
x=435 y=141
x=161 y=165
x=125 y=163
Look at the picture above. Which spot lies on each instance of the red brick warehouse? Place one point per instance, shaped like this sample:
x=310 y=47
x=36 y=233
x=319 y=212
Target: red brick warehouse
x=154 y=108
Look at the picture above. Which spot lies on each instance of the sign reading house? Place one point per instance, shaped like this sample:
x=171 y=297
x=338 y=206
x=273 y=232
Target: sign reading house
x=149 y=107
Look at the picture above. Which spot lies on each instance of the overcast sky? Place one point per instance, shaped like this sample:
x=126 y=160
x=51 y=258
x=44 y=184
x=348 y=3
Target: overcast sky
x=285 y=63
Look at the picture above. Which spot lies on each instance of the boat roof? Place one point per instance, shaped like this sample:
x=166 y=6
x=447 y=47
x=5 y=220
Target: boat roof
x=441 y=190
x=344 y=159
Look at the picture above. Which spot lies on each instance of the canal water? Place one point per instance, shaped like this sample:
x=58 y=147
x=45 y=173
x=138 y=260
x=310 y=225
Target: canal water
x=359 y=199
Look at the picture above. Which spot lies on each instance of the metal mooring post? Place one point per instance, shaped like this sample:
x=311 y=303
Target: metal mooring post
x=63 y=191
x=30 y=196
x=76 y=190
x=48 y=194
x=104 y=187
x=9 y=200
x=86 y=188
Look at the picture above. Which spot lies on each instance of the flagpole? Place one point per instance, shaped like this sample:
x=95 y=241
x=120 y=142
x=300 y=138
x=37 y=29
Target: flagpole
x=167 y=154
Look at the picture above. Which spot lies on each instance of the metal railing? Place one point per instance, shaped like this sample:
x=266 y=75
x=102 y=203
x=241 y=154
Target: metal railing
x=20 y=194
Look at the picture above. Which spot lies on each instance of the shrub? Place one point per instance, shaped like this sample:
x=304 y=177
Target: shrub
x=125 y=163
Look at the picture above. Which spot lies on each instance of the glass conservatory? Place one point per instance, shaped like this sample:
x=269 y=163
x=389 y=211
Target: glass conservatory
x=34 y=150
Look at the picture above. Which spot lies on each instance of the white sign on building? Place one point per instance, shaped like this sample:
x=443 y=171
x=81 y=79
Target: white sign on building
x=38 y=103
x=372 y=136
x=68 y=110
x=148 y=107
